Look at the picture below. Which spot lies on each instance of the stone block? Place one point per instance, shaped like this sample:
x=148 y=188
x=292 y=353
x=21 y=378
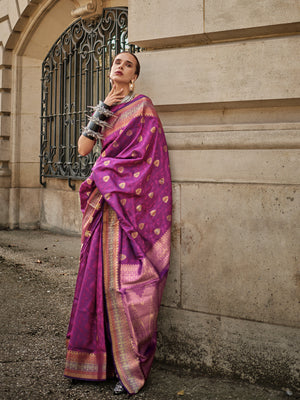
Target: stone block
x=241 y=14
x=5 y=78
x=31 y=86
x=211 y=76
x=246 y=136
x=14 y=207
x=22 y=4
x=224 y=346
x=4 y=126
x=5 y=102
x=27 y=8
x=240 y=245
x=13 y=14
x=5 y=31
x=4 y=149
x=61 y=210
x=29 y=208
x=28 y=148
x=26 y=175
x=5 y=55
x=3 y=8
x=239 y=166
x=172 y=296
x=4 y=201
x=157 y=22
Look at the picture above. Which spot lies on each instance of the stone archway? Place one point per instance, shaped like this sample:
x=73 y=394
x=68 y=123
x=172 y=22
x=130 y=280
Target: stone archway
x=28 y=32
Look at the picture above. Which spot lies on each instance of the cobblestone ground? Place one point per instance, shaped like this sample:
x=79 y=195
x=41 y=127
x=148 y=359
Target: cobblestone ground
x=38 y=273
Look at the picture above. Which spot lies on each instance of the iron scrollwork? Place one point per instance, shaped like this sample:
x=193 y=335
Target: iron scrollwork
x=75 y=76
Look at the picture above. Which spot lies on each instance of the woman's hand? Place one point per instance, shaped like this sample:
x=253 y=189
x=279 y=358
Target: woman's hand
x=114 y=96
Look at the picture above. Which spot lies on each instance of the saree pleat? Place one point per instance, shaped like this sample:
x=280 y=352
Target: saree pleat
x=126 y=234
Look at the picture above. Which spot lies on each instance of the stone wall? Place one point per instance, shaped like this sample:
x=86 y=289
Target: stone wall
x=225 y=80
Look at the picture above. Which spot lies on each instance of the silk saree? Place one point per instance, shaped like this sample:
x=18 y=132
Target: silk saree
x=125 y=251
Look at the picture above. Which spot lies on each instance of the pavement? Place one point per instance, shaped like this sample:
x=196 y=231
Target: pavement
x=38 y=274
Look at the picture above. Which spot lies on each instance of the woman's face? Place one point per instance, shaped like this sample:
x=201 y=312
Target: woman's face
x=123 y=68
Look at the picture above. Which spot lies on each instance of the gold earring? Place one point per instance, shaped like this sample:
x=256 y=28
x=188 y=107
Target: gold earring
x=131 y=86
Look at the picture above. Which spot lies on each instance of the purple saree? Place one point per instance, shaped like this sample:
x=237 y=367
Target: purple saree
x=124 y=261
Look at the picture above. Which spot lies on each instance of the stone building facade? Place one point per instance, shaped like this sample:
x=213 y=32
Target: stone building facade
x=224 y=76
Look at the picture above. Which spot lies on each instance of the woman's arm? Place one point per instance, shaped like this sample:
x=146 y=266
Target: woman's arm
x=85 y=145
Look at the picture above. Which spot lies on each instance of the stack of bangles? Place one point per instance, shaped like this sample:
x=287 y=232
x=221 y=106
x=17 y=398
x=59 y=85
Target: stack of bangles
x=97 y=121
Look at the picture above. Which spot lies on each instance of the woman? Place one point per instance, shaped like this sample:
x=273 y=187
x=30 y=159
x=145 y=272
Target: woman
x=126 y=229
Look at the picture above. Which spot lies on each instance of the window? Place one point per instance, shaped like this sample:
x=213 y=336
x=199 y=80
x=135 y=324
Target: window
x=74 y=77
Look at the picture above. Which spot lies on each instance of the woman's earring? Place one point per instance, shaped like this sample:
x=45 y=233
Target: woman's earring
x=131 y=86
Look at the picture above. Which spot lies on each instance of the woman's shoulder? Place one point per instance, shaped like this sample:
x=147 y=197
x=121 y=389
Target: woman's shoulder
x=144 y=102
x=143 y=99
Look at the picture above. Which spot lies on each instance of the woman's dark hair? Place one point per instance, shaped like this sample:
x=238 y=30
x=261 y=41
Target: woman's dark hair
x=138 y=66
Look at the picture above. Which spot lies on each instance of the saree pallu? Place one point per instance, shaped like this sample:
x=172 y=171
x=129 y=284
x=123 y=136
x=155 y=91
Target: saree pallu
x=125 y=251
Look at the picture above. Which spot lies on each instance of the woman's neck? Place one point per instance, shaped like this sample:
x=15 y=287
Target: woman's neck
x=123 y=86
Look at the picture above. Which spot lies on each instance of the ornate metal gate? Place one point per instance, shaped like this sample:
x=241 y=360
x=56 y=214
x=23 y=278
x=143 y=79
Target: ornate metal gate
x=75 y=76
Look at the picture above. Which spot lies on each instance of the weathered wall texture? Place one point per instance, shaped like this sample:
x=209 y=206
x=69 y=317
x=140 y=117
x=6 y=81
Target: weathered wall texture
x=225 y=80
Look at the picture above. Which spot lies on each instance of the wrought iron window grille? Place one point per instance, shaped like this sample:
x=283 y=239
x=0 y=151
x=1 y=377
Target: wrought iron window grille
x=74 y=77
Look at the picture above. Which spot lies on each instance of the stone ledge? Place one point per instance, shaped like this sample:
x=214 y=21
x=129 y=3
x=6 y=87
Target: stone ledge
x=207 y=38
x=252 y=136
x=227 y=75
x=236 y=166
